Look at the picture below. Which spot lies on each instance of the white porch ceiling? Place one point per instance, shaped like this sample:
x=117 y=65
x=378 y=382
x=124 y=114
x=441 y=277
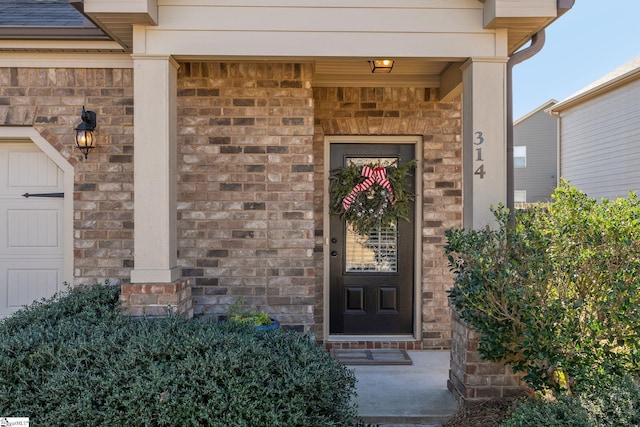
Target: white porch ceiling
x=357 y=72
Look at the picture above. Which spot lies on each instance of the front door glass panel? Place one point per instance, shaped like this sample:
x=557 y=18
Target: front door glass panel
x=377 y=252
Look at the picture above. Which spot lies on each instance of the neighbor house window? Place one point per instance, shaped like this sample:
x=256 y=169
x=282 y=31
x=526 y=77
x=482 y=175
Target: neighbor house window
x=520 y=196
x=520 y=156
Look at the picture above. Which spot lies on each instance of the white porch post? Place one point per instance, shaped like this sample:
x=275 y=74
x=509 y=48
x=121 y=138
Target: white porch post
x=155 y=82
x=484 y=129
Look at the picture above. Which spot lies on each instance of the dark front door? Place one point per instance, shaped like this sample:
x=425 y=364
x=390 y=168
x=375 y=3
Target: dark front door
x=371 y=277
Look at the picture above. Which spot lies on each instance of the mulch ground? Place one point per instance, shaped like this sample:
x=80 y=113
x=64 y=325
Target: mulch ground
x=485 y=414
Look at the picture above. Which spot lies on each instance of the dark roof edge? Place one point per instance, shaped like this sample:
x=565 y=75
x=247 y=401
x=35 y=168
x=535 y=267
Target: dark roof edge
x=544 y=107
x=79 y=6
x=51 y=33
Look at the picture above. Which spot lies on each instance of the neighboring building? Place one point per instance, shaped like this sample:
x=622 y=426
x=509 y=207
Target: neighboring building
x=600 y=134
x=217 y=125
x=535 y=155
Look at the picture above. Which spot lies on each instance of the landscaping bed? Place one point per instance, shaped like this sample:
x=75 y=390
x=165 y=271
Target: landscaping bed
x=75 y=360
x=486 y=414
x=614 y=402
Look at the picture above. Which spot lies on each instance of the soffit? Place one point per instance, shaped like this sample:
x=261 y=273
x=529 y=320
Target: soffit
x=522 y=29
x=522 y=18
x=357 y=72
x=119 y=26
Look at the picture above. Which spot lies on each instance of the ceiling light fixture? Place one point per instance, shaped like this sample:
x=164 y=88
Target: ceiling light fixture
x=381 y=65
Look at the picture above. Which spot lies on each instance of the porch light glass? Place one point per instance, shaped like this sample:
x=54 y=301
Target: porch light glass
x=85 y=139
x=381 y=65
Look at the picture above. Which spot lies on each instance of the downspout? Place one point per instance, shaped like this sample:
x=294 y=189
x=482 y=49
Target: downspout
x=537 y=43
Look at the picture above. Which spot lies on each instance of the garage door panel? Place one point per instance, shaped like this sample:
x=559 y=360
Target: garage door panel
x=31 y=169
x=31 y=229
x=24 y=284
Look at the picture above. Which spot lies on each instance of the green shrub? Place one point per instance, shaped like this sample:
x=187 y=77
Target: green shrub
x=92 y=304
x=615 y=402
x=555 y=293
x=238 y=312
x=564 y=412
x=75 y=360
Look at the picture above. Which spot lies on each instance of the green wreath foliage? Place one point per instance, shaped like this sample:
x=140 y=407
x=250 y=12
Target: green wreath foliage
x=374 y=207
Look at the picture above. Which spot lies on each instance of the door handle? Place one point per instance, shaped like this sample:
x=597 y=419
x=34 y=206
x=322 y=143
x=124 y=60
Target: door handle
x=334 y=253
x=57 y=195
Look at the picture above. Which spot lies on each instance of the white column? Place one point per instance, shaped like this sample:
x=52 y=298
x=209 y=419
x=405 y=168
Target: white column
x=155 y=82
x=484 y=134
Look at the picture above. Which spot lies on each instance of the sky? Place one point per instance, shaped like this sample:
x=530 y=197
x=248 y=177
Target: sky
x=594 y=38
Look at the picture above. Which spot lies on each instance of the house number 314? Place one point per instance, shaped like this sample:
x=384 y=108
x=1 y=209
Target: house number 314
x=479 y=140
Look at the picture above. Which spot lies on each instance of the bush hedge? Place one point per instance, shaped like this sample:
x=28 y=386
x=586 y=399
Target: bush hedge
x=614 y=403
x=74 y=360
x=554 y=291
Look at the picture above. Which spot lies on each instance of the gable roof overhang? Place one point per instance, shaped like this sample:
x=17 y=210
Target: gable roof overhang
x=394 y=29
x=523 y=19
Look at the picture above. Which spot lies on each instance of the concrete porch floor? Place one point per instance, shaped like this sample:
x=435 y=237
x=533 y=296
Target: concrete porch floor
x=406 y=395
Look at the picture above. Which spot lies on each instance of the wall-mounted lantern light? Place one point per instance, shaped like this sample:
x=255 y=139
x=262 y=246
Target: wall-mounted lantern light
x=381 y=65
x=85 y=139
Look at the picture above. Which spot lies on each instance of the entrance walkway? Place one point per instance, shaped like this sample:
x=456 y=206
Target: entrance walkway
x=407 y=394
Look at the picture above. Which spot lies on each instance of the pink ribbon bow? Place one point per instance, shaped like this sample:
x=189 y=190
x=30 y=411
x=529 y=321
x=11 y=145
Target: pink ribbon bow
x=375 y=175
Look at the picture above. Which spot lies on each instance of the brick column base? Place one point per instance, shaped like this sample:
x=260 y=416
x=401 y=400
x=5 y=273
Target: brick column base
x=473 y=380
x=157 y=299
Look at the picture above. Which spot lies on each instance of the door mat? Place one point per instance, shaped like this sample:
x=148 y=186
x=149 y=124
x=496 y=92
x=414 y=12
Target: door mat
x=372 y=357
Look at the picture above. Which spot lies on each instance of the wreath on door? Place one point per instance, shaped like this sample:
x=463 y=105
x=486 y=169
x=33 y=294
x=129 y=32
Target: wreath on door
x=370 y=196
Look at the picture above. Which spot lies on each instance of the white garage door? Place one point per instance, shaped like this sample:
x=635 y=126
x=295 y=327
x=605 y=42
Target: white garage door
x=31 y=250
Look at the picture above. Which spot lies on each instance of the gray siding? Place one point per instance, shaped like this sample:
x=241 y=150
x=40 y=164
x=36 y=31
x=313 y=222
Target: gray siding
x=600 y=151
x=539 y=133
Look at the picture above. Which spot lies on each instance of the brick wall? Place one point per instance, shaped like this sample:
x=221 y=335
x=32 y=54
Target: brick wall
x=157 y=299
x=473 y=380
x=402 y=111
x=250 y=177
x=245 y=187
x=51 y=100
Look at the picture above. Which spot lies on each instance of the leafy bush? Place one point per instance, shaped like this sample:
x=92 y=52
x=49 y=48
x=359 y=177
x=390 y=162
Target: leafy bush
x=74 y=360
x=238 y=312
x=564 y=412
x=555 y=291
x=615 y=403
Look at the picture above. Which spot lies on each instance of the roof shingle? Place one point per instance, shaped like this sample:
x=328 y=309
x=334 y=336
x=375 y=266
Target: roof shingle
x=40 y=13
